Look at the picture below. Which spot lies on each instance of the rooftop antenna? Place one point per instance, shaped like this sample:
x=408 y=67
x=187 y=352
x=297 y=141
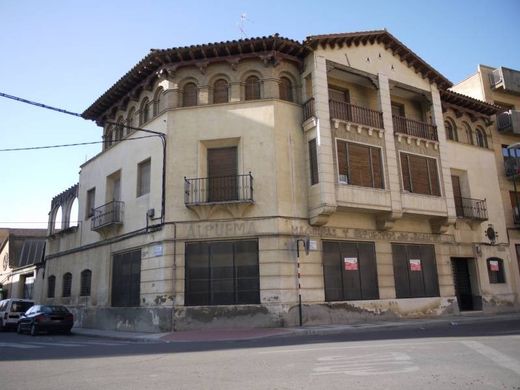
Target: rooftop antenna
x=241 y=24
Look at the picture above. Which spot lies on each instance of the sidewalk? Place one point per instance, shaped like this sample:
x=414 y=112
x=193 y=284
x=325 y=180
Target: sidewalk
x=206 y=335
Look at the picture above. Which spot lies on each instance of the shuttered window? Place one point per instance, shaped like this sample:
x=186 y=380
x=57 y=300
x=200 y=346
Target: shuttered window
x=415 y=271
x=143 y=177
x=252 y=88
x=350 y=271
x=495 y=267
x=420 y=174
x=313 y=161
x=222 y=273
x=220 y=91
x=51 y=286
x=189 y=95
x=339 y=95
x=286 y=89
x=360 y=165
x=126 y=279
x=67 y=285
x=222 y=174
x=86 y=279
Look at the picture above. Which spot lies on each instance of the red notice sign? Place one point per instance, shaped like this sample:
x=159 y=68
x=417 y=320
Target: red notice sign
x=351 y=263
x=493 y=265
x=415 y=265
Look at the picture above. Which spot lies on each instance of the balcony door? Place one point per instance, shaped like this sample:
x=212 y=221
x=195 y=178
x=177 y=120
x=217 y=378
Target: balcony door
x=222 y=174
x=457 y=195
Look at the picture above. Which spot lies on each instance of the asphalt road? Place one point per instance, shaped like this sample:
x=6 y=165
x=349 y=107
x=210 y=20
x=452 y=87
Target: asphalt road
x=448 y=356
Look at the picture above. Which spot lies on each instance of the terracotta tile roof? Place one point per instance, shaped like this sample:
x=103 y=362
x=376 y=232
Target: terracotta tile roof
x=469 y=103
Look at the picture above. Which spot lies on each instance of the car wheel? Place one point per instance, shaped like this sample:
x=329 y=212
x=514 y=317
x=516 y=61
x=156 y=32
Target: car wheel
x=34 y=330
x=67 y=332
x=19 y=329
x=1 y=326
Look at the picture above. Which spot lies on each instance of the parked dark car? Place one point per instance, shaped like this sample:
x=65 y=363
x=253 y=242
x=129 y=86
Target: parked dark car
x=50 y=318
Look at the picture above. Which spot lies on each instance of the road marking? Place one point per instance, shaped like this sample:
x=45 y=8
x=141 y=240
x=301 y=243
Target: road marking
x=54 y=344
x=108 y=343
x=18 y=345
x=393 y=345
x=492 y=354
x=364 y=365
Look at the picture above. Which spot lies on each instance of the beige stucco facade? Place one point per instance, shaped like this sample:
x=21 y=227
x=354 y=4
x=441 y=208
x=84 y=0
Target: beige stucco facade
x=287 y=205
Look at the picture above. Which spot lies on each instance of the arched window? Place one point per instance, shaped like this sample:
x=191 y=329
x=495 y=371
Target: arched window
x=145 y=115
x=109 y=136
x=157 y=101
x=481 y=138
x=86 y=278
x=58 y=218
x=286 y=89
x=495 y=268
x=189 y=95
x=451 y=130
x=67 y=285
x=220 y=91
x=252 y=88
x=469 y=134
x=51 y=286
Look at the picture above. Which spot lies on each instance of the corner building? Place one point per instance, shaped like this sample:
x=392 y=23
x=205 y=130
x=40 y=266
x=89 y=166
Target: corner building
x=270 y=169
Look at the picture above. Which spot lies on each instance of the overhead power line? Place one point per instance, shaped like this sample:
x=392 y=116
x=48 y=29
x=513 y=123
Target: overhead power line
x=19 y=99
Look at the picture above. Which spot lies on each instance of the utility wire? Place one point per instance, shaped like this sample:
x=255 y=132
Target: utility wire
x=19 y=99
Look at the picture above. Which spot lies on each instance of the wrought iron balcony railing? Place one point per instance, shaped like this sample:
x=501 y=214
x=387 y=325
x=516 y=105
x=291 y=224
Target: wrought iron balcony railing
x=471 y=208
x=357 y=114
x=308 y=109
x=108 y=214
x=414 y=128
x=223 y=189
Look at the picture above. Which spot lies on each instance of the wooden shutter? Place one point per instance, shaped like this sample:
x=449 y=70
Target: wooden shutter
x=359 y=165
x=126 y=279
x=429 y=269
x=222 y=174
x=457 y=195
x=285 y=89
x=435 y=188
x=405 y=172
x=189 y=95
x=332 y=271
x=221 y=91
x=313 y=161
x=252 y=88
x=368 y=270
x=400 y=262
x=197 y=287
x=339 y=95
x=419 y=174
x=377 y=168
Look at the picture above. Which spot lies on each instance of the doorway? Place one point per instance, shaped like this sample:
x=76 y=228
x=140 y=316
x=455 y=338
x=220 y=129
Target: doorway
x=466 y=284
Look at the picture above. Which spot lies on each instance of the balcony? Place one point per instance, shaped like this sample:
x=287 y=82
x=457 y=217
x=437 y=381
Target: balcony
x=414 y=128
x=475 y=209
x=215 y=190
x=509 y=122
x=356 y=114
x=108 y=215
x=308 y=109
x=516 y=216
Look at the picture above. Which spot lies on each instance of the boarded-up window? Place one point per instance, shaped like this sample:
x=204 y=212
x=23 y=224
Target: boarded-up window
x=143 y=177
x=360 y=165
x=339 y=95
x=220 y=91
x=126 y=279
x=222 y=174
x=189 y=95
x=350 y=271
x=252 y=88
x=222 y=273
x=313 y=161
x=495 y=267
x=51 y=286
x=86 y=279
x=415 y=271
x=67 y=285
x=420 y=174
x=286 y=89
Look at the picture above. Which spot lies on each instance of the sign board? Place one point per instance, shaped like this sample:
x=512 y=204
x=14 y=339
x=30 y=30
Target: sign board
x=351 y=263
x=313 y=245
x=415 y=265
x=493 y=265
x=157 y=250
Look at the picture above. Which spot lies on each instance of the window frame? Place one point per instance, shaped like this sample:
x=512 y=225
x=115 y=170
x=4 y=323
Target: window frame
x=370 y=161
x=453 y=127
x=188 y=94
x=90 y=204
x=285 y=89
x=496 y=277
x=313 y=161
x=218 y=91
x=252 y=90
x=85 y=283
x=140 y=166
x=427 y=158
x=51 y=286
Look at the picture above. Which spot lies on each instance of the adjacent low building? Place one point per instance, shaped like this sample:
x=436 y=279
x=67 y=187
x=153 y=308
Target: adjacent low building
x=238 y=179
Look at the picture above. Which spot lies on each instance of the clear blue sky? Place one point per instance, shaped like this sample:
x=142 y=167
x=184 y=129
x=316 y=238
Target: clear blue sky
x=67 y=53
